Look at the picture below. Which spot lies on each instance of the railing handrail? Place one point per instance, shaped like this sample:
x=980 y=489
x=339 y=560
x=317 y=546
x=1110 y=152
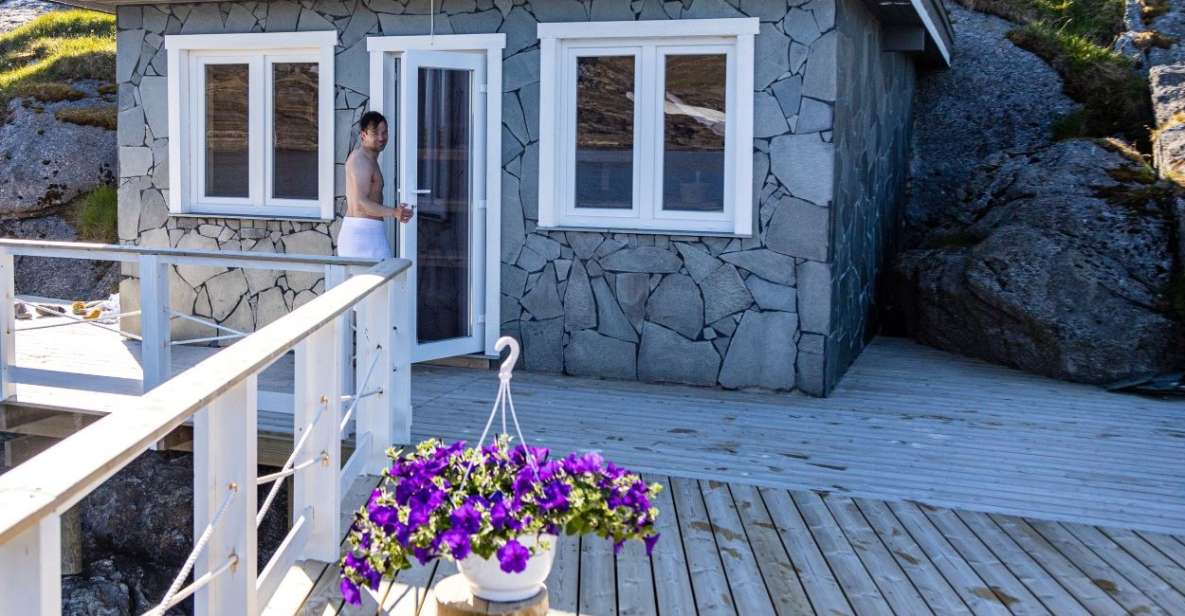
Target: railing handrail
x=177 y=256
x=59 y=477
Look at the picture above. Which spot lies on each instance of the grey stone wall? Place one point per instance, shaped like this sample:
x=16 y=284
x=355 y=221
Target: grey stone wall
x=705 y=310
x=873 y=118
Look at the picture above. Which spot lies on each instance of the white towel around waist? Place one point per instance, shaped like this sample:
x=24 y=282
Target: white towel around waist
x=363 y=238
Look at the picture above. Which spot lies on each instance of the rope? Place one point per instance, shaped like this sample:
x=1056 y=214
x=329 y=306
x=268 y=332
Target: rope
x=365 y=381
x=503 y=399
x=233 y=489
x=323 y=458
x=197 y=584
x=271 y=495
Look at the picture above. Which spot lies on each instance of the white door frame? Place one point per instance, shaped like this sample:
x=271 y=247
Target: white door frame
x=384 y=54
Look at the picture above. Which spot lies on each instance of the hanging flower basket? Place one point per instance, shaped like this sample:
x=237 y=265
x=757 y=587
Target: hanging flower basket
x=497 y=510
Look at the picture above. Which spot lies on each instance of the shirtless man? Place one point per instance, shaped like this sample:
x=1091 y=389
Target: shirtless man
x=362 y=232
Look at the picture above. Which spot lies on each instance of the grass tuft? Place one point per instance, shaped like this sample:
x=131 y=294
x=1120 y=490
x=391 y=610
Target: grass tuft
x=103 y=116
x=97 y=215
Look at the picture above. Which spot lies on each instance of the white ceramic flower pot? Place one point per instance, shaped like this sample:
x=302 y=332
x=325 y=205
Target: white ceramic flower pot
x=488 y=581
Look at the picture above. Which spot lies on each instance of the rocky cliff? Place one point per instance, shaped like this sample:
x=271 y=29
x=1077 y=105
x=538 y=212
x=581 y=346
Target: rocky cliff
x=1059 y=257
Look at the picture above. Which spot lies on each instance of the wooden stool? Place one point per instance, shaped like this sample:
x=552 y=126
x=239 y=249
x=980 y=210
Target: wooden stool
x=454 y=599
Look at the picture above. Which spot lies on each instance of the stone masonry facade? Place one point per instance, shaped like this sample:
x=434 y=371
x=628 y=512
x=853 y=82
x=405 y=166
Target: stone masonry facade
x=760 y=312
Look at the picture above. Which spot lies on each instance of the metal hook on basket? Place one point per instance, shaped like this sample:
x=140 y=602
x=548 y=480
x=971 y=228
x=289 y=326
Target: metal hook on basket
x=507 y=368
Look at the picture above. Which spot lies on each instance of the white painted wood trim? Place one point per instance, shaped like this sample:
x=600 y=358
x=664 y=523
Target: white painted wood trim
x=549 y=85
x=258 y=50
x=334 y=276
x=156 y=351
x=251 y=41
x=31 y=570
x=401 y=341
x=742 y=146
x=7 y=324
x=928 y=21
x=178 y=64
x=318 y=390
x=442 y=42
x=650 y=29
x=649 y=43
x=285 y=557
x=55 y=480
x=493 y=201
x=179 y=256
x=353 y=466
x=224 y=455
x=326 y=116
x=375 y=415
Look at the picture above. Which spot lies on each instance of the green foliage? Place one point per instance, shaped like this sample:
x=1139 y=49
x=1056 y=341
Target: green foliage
x=97 y=216
x=42 y=56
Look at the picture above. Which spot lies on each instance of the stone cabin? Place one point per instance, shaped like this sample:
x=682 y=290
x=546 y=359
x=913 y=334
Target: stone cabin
x=688 y=191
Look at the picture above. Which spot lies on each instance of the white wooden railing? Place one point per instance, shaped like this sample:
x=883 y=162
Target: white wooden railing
x=220 y=393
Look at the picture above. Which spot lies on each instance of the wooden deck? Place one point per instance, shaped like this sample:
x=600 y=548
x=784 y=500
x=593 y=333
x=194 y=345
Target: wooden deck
x=734 y=548
x=906 y=422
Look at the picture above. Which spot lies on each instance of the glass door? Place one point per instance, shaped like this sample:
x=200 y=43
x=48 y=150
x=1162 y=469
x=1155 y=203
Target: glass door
x=441 y=173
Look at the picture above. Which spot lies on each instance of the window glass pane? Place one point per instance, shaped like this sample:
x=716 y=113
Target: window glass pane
x=294 y=130
x=693 y=133
x=226 y=130
x=605 y=132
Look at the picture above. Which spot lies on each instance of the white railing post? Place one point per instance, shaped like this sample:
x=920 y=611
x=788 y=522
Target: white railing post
x=154 y=320
x=402 y=336
x=224 y=462
x=318 y=391
x=335 y=275
x=384 y=418
x=31 y=570
x=7 y=324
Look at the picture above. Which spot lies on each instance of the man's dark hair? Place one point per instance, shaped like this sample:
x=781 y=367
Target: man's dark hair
x=371 y=120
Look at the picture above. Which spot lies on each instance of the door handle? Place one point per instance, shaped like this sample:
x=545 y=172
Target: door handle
x=424 y=191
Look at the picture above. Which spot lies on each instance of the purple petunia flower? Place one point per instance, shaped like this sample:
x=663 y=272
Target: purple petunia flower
x=583 y=463
x=350 y=592
x=512 y=557
x=466 y=518
x=555 y=496
x=458 y=543
x=385 y=517
x=650 y=541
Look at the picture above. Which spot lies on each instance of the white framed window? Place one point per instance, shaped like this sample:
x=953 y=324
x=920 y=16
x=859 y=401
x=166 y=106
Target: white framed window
x=251 y=124
x=647 y=126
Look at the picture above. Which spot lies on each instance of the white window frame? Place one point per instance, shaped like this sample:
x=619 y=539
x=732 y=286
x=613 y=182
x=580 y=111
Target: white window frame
x=187 y=57
x=650 y=42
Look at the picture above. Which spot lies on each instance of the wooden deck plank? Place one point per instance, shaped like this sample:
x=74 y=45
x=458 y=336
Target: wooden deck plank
x=407 y=592
x=818 y=580
x=1075 y=581
x=444 y=569
x=712 y=595
x=1045 y=588
x=1144 y=578
x=563 y=583
x=1101 y=573
x=929 y=582
x=894 y=585
x=849 y=570
x=744 y=578
x=777 y=569
x=668 y=562
x=635 y=582
x=962 y=577
x=1001 y=583
x=310 y=587
x=1147 y=554
x=598 y=588
x=1168 y=545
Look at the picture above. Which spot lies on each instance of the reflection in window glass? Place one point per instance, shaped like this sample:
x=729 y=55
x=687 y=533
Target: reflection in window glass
x=693 y=133
x=605 y=132
x=294 y=126
x=226 y=130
